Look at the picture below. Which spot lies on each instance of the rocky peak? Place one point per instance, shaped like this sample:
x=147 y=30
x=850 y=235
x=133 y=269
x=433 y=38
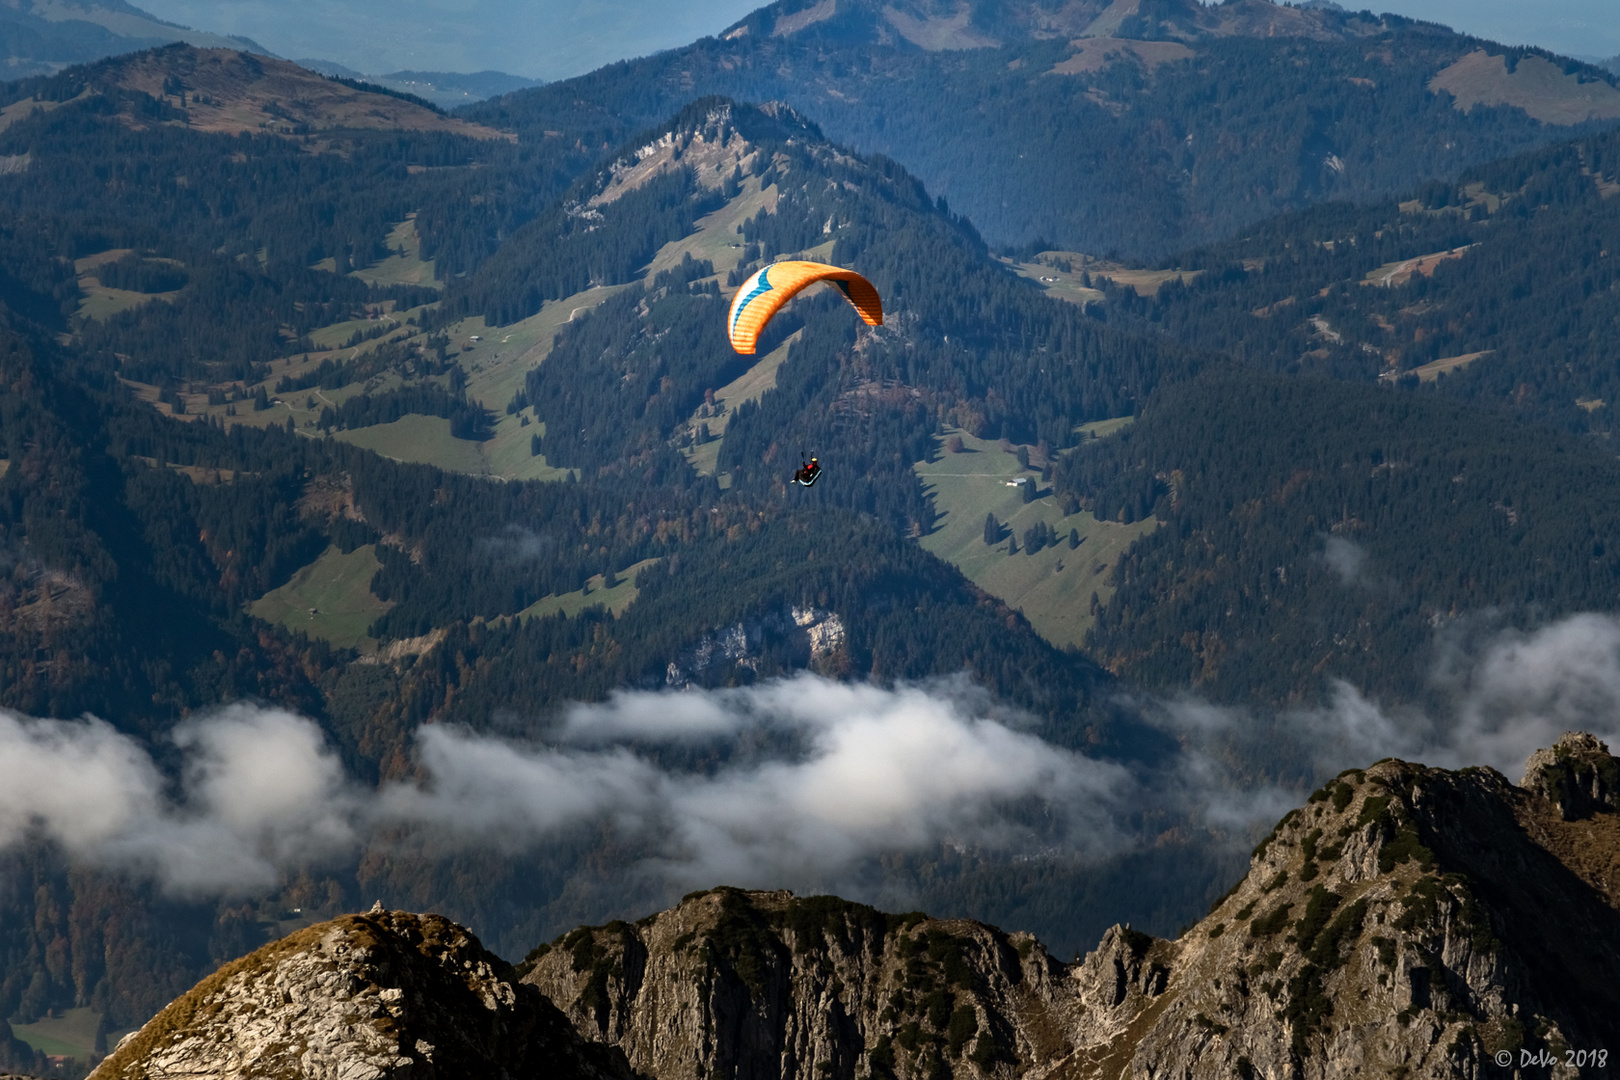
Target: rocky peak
x=734 y=983
x=1406 y=921
x=386 y=994
x=1577 y=774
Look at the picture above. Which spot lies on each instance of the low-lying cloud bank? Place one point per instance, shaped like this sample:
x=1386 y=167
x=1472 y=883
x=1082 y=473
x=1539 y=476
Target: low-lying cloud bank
x=871 y=771
x=260 y=790
x=874 y=771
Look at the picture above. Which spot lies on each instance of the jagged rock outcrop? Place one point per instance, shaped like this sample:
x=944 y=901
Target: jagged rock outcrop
x=365 y=997
x=1406 y=922
x=1577 y=775
x=755 y=984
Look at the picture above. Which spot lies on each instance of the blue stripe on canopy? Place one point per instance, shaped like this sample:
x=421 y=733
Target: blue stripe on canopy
x=761 y=287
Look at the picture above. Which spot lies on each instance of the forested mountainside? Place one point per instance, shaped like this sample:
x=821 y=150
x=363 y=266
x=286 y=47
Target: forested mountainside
x=1317 y=528
x=1388 y=925
x=137 y=544
x=377 y=156
x=1141 y=128
x=1498 y=289
x=964 y=342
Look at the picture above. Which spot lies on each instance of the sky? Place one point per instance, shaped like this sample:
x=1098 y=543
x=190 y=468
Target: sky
x=1584 y=28
x=538 y=39
x=555 y=39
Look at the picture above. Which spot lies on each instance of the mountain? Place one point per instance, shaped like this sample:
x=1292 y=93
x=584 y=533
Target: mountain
x=1491 y=289
x=1405 y=919
x=1137 y=127
x=381 y=994
x=1410 y=332
x=965 y=340
x=230 y=92
x=1399 y=921
x=404 y=455
x=1314 y=529
x=167 y=494
x=40 y=37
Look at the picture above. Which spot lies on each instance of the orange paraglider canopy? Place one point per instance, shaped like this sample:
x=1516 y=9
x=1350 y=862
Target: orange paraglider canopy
x=771 y=286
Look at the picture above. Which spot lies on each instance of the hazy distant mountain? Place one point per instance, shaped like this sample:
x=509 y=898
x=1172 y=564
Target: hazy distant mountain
x=446 y=89
x=1134 y=126
x=38 y=37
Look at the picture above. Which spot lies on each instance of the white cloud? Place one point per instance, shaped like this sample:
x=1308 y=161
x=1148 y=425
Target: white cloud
x=837 y=776
x=873 y=771
x=78 y=783
x=494 y=793
x=1528 y=689
x=659 y=717
x=1345 y=558
x=886 y=770
x=879 y=771
x=260 y=789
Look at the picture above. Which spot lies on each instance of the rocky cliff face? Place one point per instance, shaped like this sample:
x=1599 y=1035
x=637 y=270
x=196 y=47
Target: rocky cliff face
x=766 y=984
x=365 y=997
x=1406 y=922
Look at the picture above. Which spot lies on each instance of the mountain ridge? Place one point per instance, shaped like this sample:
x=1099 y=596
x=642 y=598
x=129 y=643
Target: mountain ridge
x=40 y=37
x=1395 y=922
x=228 y=91
x=1194 y=122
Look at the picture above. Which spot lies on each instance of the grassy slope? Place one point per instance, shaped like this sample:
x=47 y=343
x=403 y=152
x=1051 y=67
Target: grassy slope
x=615 y=599
x=749 y=386
x=338 y=589
x=100 y=302
x=716 y=237
x=73 y=1034
x=406 y=268
x=1053 y=587
x=422 y=439
x=1069 y=285
x=496 y=366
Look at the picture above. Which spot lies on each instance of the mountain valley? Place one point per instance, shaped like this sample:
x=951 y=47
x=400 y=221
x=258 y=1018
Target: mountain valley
x=401 y=454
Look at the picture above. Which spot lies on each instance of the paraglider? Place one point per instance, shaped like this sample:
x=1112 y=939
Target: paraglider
x=774 y=284
x=808 y=473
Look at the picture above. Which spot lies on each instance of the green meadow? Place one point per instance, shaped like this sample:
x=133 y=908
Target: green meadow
x=406 y=266
x=1052 y=587
x=615 y=599
x=329 y=599
x=71 y=1035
